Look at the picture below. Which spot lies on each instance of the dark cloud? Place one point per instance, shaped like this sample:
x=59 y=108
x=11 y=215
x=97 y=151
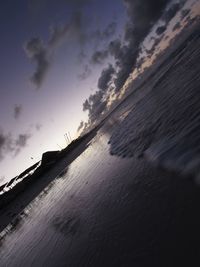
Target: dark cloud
x=184 y=13
x=190 y=20
x=107 y=33
x=160 y=30
x=17 y=111
x=9 y=145
x=95 y=105
x=85 y=74
x=98 y=110
x=99 y=56
x=140 y=62
x=57 y=34
x=38 y=126
x=20 y=143
x=81 y=126
x=5 y=144
x=98 y=36
x=166 y=38
x=172 y=10
x=125 y=61
x=142 y=16
x=38 y=53
x=156 y=42
x=86 y=105
x=125 y=58
x=72 y=29
x=82 y=56
x=105 y=78
x=169 y=14
x=176 y=27
x=97 y=102
x=115 y=49
x=21 y=140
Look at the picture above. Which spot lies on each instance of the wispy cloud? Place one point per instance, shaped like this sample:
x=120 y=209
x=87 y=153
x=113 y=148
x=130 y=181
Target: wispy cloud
x=99 y=56
x=86 y=73
x=39 y=54
x=21 y=142
x=17 y=111
x=5 y=144
x=176 y=27
x=10 y=145
x=38 y=126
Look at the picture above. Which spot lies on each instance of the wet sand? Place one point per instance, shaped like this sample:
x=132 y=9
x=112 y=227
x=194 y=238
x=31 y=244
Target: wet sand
x=16 y=200
x=107 y=211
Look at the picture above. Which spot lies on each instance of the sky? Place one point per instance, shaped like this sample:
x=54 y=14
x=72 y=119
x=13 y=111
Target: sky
x=63 y=61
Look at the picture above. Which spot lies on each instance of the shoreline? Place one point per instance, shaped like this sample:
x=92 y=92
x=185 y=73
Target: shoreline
x=14 y=201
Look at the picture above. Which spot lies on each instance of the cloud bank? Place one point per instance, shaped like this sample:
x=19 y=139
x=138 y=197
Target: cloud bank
x=142 y=17
x=17 y=111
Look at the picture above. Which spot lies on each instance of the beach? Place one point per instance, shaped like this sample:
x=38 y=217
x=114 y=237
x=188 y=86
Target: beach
x=130 y=194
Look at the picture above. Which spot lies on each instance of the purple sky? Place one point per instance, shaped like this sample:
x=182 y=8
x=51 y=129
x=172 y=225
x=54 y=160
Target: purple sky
x=55 y=54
